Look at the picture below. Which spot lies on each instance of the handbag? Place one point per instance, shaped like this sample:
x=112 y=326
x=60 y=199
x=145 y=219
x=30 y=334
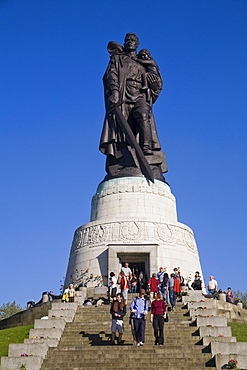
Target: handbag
x=166 y=319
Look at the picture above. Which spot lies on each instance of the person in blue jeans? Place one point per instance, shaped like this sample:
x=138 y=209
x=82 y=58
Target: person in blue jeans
x=139 y=310
x=133 y=284
x=172 y=294
x=160 y=277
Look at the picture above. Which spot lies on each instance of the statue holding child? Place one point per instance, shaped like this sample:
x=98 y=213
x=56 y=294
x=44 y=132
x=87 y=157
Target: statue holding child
x=132 y=84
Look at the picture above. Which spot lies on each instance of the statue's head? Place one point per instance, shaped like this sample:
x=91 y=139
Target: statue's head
x=131 y=42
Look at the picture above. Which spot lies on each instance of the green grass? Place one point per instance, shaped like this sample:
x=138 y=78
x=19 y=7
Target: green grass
x=12 y=335
x=239 y=331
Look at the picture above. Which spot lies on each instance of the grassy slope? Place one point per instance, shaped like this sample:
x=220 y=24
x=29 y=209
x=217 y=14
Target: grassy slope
x=239 y=331
x=12 y=335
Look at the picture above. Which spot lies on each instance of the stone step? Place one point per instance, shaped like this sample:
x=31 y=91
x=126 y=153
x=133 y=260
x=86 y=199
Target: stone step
x=142 y=359
x=208 y=304
x=239 y=348
x=215 y=331
x=13 y=363
x=67 y=315
x=49 y=323
x=126 y=335
x=51 y=342
x=118 y=354
x=37 y=349
x=45 y=333
x=207 y=340
x=202 y=312
x=163 y=361
x=64 y=306
x=222 y=359
x=143 y=367
x=77 y=350
x=210 y=321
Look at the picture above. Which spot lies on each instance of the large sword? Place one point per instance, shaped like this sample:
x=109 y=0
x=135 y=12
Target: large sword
x=146 y=170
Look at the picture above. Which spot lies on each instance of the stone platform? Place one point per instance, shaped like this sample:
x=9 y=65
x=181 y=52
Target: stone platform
x=132 y=220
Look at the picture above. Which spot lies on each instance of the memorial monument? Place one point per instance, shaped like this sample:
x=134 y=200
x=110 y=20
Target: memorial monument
x=133 y=213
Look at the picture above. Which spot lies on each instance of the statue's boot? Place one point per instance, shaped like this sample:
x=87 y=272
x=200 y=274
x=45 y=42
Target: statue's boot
x=145 y=135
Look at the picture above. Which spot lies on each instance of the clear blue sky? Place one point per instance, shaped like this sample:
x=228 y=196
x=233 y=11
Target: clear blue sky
x=53 y=56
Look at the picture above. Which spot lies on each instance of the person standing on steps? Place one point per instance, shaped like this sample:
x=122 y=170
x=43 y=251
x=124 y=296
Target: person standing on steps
x=127 y=272
x=169 y=290
x=133 y=284
x=142 y=280
x=153 y=286
x=71 y=293
x=229 y=295
x=176 y=289
x=165 y=294
x=112 y=286
x=139 y=310
x=197 y=283
x=160 y=277
x=124 y=286
x=118 y=311
x=158 y=315
x=212 y=285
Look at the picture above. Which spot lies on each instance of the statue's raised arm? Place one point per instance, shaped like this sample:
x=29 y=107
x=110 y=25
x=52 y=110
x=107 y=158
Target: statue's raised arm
x=132 y=83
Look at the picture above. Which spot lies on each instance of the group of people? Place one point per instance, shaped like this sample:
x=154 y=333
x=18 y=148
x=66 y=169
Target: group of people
x=128 y=282
x=69 y=294
x=163 y=290
x=138 y=317
x=212 y=287
x=168 y=286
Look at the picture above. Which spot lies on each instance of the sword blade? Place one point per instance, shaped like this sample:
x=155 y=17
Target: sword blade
x=146 y=170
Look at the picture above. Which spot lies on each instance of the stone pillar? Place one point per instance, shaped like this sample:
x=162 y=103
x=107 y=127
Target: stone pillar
x=222 y=297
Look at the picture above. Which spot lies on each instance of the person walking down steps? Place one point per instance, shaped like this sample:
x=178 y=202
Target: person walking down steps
x=118 y=311
x=139 y=310
x=158 y=315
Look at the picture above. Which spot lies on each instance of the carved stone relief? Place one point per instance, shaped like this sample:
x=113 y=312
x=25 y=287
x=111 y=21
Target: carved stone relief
x=129 y=232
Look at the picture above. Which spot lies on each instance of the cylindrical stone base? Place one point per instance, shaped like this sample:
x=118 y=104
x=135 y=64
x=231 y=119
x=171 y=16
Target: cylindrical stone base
x=135 y=221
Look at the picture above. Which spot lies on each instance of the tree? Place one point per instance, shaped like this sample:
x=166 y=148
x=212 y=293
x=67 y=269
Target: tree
x=242 y=297
x=9 y=309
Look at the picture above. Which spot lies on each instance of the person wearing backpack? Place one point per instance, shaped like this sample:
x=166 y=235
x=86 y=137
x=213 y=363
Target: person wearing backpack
x=139 y=310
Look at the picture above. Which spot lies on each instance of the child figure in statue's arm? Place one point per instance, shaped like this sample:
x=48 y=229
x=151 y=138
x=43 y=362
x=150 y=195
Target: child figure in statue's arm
x=152 y=70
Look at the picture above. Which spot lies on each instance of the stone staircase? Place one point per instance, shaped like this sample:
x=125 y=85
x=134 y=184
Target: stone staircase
x=86 y=343
x=78 y=337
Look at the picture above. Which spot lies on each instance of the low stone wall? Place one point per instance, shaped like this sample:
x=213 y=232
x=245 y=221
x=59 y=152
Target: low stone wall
x=26 y=317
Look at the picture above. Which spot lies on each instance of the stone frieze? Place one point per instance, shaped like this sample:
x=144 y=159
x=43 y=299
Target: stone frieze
x=129 y=232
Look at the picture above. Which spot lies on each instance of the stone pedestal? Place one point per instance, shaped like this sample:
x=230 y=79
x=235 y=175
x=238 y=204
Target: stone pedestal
x=222 y=297
x=132 y=220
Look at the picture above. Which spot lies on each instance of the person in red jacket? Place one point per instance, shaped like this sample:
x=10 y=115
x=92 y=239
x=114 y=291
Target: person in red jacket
x=124 y=286
x=153 y=283
x=176 y=290
x=158 y=315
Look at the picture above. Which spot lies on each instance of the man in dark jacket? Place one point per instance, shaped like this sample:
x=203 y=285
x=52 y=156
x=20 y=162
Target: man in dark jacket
x=118 y=311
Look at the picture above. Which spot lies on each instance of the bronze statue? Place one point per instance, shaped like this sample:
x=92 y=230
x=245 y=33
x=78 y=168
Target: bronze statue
x=132 y=83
